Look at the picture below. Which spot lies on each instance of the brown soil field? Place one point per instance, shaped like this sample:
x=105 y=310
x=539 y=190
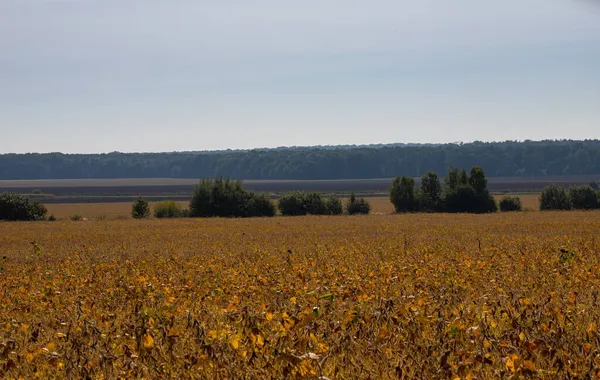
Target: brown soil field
x=182 y=186
x=381 y=296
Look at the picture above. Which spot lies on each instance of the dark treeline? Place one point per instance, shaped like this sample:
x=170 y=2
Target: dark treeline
x=504 y=159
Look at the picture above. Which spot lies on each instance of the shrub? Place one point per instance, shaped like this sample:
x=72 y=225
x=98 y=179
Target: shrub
x=168 y=209
x=594 y=185
x=459 y=199
x=584 y=198
x=314 y=204
x=333 y=205
x=17 y=207
x=402 y=194
x=466 y=199
x=510 y=203
x=76 y=218
x=554 y=198
x=468 y=194
x=218 y=197
x=301 y=203
x=140 y=209
x=260 y=205
x=52 y=218
x=357 y=206
x=226 y=198
x=292 y=204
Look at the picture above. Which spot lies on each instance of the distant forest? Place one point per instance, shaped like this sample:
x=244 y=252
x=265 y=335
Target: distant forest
x=500 y=159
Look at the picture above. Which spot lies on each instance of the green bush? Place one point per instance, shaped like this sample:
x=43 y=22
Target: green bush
x=333 y=205
x=456 y=178
x=510 y=203
x=76 y=218
x=402 y=194
x=140 y=209
x=303 y=203
x=554 y=198
x=314 y=204
x=168 y=209
x=219 y=197
x=469 y=195
x=226 y=198
x=466 y=199
x=292 y=204
x=357 y=206
x=260 y=205
x=584 y=198
x=52 y=218
x=430 y=194
x=17 y=207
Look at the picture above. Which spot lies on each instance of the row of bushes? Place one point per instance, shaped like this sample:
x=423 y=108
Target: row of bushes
x=576 y=197
x=227 y=198
x=312 y=203
x=460 y=193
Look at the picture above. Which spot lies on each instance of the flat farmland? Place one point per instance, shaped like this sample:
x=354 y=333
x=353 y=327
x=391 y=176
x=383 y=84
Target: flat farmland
x=117 y=210
x=378 y=296
x=96 y=189
x=114 y=210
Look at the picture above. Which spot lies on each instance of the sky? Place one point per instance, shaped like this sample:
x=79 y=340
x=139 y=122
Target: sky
x=92 y=76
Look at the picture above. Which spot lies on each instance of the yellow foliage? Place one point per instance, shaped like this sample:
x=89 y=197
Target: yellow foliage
x=148 y=341
x=385 y=296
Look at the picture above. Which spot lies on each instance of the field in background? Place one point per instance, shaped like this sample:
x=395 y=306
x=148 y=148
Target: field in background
x=107 y=190
x=379 y=296
x=114 y=210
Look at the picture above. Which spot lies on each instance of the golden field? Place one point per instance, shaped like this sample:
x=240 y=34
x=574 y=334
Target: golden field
x=379 y=296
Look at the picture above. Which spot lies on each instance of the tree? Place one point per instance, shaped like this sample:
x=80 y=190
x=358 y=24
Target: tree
x=226 y=198
x=201 y=203
x=456 y=178
x=471 y=195
x=17 y=207
x=402 y=194
x=554 y=198
x=431 y=193
x=584 y=198
x=594 y=185
x=510 y=203
x=260 y=205
x=463 y=179
x=460 y=199
x=140 y=209
x=477 y=180
x=292 y=204
x=314 y=204
x=333 y=205
x=168 y=209
x=357 y=206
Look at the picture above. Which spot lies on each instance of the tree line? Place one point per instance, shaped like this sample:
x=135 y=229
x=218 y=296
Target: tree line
x=461 y=192
x=500 y=159
x=223 y=197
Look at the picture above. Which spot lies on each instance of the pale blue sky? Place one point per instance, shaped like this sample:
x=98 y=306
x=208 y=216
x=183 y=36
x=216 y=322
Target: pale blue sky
x=149 y=75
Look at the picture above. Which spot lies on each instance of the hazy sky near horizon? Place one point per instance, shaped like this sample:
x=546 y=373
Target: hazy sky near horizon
x=149 y=75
